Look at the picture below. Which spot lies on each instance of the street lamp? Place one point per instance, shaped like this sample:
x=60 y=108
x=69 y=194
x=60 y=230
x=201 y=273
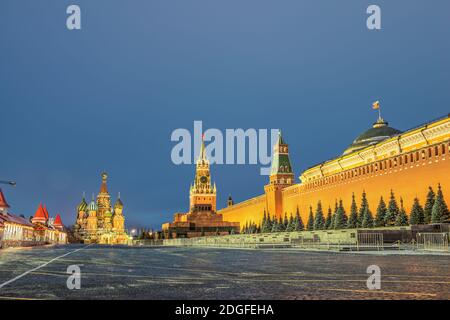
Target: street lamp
x=11 y=183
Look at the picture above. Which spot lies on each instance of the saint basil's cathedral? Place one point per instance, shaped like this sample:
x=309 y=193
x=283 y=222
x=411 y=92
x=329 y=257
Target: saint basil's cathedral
x=98 y=222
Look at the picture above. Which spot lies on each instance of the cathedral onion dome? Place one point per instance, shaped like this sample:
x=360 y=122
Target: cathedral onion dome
x=92 y=205
x=118 y=203
x=379 y=132
x=108 y=214
x=82 y=206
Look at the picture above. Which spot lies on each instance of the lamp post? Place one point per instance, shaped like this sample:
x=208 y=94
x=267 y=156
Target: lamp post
x=11 y=183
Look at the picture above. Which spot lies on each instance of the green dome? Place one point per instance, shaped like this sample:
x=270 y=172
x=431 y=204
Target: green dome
x=119 y=203
x=108 y=214
x=82 y=206
x=379 y=132
x=93 y=206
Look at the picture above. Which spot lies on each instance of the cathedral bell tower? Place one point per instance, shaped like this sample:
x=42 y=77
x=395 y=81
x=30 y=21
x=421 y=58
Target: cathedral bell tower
x=103 y=200
x=202 y=195
x=281 y=176
x=92 y=220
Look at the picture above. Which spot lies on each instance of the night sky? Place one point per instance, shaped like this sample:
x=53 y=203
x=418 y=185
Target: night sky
x=107 y=97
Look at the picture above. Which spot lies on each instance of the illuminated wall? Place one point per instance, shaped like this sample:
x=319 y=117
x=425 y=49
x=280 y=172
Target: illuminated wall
x=407 y=164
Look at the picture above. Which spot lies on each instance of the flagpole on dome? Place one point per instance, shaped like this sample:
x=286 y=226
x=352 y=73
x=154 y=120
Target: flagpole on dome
x=376 y=106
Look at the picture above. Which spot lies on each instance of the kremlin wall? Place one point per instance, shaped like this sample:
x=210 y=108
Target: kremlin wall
x=380 y=159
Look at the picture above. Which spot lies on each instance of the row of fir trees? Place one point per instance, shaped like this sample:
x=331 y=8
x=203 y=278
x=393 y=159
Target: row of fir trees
x=390 y=214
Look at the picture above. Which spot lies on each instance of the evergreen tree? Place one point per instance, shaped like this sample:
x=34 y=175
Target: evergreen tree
x=277 y=225
x=431 y=196
x=353 y=218
x=319 y=220
x=333 y=217
x=264 y=223
x=290 y=227
x=367 y=219
x=440 y=212
x=245 y=230
x=310 y=225
x=363 y=209
x=340 y=219
x=417 y=215
x=274 y=225
x=328 y=221
x=251 y=227
x=281 y=224
x=392 y=211
x=402 y=218
x=269 y=223
x=285 y=221
x=298 y=222
x=381 y=214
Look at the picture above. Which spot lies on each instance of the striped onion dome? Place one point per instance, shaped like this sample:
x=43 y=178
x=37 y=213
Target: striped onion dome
x=92 y=205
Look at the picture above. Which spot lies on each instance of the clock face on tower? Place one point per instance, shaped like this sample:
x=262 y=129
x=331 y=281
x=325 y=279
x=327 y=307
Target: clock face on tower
x=203 y=179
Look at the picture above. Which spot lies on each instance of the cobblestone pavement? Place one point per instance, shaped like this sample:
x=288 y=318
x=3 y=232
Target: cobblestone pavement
x=209 y=273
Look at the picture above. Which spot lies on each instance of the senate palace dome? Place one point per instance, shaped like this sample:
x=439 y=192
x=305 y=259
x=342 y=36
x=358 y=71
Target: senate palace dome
x=379 y=132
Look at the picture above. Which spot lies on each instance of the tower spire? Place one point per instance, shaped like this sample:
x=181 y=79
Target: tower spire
x=104 y=187
x=202 y=154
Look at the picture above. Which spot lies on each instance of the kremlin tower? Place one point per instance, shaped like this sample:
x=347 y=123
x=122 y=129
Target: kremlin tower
x=202 y=218
x=281 y=176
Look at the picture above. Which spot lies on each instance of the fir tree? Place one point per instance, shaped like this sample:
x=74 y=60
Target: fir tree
x=291 y=226
x=401 y=219
x=362 y=209
x=281 y=224
x=299 y=225
x=310 y=224
x=431 y=196
x=328 y=221
x=340 y=219
x=353 y=218
x=254 y=227
x=392 y=211
x=285 y=221
x=333 y=217
x=245 y=229
x=381 y=214
x=367 y=220
x=319 y=220
x=417 y=215
x=264 y=223
x=269 y=223
x=275 y=227
x=440 y=212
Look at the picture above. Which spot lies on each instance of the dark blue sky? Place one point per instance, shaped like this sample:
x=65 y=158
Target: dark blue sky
x=74 y=103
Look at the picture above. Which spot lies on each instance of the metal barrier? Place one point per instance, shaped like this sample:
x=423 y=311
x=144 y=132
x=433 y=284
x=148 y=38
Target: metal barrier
x=370 y=241
x=433 y=241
